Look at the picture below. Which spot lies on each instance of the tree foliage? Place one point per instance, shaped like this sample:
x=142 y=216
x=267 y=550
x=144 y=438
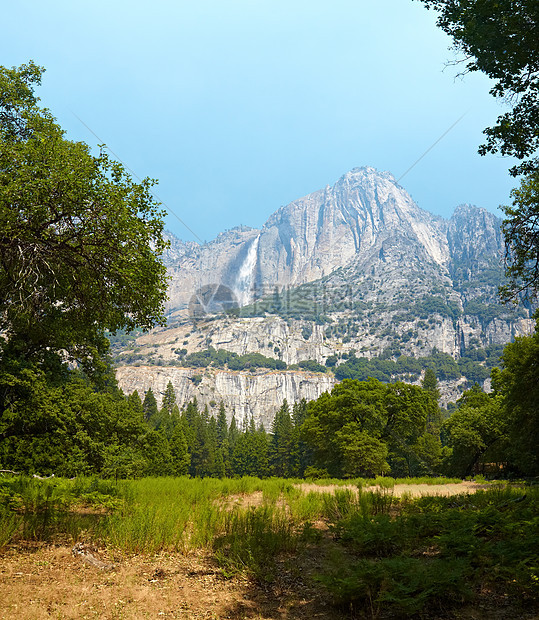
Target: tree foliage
x=521 y=231
x=149 y=406
x=281 y=438
x=364 y=428
x=518 y=384
x=499 y=38
x=79 y=257
x=473 y=432
x=79 y=242
x=67 y=427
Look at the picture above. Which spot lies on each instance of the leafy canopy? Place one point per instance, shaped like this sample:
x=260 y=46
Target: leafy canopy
x=519 y=386
x=358 y=428
x=521 y=230
x=80 y=241
x=499 y=38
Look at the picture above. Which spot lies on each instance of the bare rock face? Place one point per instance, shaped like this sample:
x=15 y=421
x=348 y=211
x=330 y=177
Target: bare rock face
x=306 y=240
x=244 y=394
x=193 y=267
x=312 y=237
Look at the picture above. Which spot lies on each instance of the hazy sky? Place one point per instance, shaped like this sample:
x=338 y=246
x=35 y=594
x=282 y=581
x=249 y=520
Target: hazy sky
x=240 y=106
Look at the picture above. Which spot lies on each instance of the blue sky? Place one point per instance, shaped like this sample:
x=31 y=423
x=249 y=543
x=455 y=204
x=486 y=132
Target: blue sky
x=240 y=106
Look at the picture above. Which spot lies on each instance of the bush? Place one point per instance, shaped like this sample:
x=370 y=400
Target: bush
x=402 y=586
x=227 y=359
x=436 y=552
x=312 y=366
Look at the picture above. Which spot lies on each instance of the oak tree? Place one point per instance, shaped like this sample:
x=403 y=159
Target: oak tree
x=499 y=38
x=80 y=240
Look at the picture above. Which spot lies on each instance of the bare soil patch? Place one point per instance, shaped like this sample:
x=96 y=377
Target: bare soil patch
x=49 y=582
x=248 y=500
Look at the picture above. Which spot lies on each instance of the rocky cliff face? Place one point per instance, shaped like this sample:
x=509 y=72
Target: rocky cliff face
x=357 y=267
x=243 y=394
x=314 y=236
x=306 y=240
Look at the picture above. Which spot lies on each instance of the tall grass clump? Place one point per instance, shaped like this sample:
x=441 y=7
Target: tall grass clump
x=339 y=504
x=306 y=506
x=275 y=488
x=174 y=514
x=252 y=540
x=11 y=525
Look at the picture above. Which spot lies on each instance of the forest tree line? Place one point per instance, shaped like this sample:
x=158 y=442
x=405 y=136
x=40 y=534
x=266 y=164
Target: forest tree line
x=68 y=422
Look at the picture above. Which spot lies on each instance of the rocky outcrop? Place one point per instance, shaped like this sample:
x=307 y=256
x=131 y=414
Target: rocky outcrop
x=294 y=341
x=192 y=267
x=244 y=394
x=312 y=237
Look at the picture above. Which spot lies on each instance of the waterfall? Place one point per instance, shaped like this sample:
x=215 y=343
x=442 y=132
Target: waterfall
x=246 y=274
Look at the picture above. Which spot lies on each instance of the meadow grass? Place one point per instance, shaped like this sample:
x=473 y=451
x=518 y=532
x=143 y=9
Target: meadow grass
x=176 y=514
x=252 y=540
x=402 y=555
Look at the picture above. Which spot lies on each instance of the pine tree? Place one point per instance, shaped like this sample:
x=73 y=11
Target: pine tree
x=219 y=464
x=430 y=385
x=262 y=453
x=149 y=406
x=201 y=443
x=245 y=424
x=299 y=452
x=252 y=426
x=169 y=399
x=175 y=416
x=211 y=449
x=250 y=454
x=206 y=414
x=281 y=436
x=189 y=416
x=156 y=450
x=233 y=431
x=135 y=404
x=222 y=425
x=179 y=451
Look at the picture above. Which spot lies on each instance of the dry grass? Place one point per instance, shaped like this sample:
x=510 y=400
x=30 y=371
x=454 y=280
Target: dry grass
x=48 y=582
x=239 y=500
x=412 y=490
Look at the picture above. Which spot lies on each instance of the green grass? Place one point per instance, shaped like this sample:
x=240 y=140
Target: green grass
x=252 y=540
x=404 y=556
x=176 y=514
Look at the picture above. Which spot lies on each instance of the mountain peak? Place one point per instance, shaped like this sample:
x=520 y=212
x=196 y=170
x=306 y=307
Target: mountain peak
x=363 y=173
x=366 y=216
x=467 y=210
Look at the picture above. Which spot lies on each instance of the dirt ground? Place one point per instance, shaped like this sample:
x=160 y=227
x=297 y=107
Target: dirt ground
x=43 y=581
x=413 y=490
x=49 y=582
